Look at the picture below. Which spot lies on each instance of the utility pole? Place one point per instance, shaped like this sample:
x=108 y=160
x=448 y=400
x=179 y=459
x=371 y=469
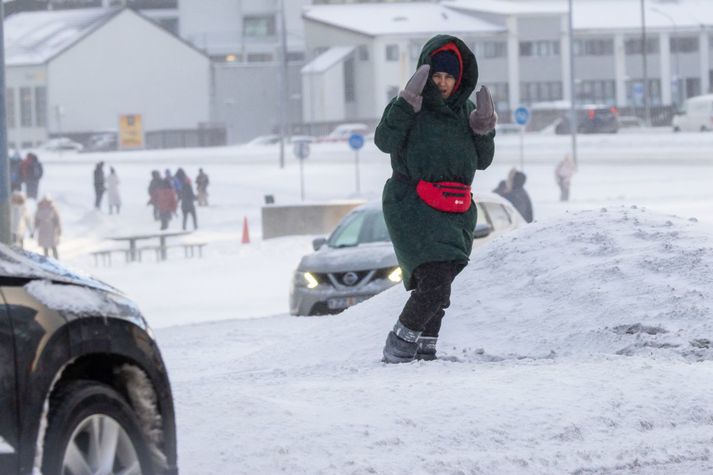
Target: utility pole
x=284 y=110
x=573 y=93
x=4 y=165
x=644 y=53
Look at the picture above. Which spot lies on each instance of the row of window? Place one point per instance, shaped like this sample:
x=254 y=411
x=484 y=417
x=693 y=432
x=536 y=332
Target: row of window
x=32 y=102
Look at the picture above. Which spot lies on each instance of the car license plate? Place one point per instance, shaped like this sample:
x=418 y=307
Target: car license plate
x=345 y=302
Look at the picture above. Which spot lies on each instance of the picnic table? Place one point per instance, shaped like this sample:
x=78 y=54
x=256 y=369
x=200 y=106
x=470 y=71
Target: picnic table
x=161 y=236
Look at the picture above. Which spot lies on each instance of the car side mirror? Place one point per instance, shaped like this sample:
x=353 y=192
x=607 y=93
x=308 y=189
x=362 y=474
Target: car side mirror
x=319 y=242
x=482 y=230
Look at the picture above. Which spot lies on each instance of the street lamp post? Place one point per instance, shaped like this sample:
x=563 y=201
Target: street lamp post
x=4 y=165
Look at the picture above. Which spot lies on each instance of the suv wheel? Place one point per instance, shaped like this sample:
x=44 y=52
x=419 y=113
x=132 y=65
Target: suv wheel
x=92 y=429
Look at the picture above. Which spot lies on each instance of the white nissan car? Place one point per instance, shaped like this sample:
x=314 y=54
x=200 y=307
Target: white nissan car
x=357 y=261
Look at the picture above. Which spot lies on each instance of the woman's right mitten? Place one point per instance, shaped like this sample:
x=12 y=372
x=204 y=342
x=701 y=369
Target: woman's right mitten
x=414 y=87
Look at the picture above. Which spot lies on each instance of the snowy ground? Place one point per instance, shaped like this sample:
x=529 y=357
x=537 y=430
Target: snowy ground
x=578 y=344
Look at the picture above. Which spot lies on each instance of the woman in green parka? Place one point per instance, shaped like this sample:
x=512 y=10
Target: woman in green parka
x=437 y=138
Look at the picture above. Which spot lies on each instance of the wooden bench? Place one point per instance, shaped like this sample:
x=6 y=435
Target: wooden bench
x=189 y=250
x=103 y=256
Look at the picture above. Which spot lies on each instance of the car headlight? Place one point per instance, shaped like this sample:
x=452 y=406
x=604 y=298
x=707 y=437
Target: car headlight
x=396 y=275
x=305 y=279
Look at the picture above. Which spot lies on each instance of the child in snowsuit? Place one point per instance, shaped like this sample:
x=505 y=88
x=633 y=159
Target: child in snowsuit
x=19 y=218
x=48 y=227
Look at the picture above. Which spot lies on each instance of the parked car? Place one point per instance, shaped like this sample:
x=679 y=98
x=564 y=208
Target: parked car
x=591 y=119
x=357 y=261
x=274 y=139
x=342 y=132
x=696 y=115
x=102 y=142
x=83 y=388
x=630 y=122
x=62 y=144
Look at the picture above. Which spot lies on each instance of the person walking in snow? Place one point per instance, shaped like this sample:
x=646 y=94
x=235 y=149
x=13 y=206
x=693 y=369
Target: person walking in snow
x=519 y=197
x=202 y=182
x=154 y=185
x=437 y=139
x=187 y=198
x=99 y=184
x=166 y=202
x=20 y=221
x=47 y=226
x=15 y=171
x=563 y=175
x=113 y=195
x=31 y=171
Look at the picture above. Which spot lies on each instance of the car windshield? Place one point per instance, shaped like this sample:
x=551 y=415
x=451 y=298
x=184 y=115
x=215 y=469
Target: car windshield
x=360 y=228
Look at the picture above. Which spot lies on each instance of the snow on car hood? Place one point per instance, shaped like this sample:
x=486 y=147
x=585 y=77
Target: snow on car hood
x=363 y=257
x=16 y=262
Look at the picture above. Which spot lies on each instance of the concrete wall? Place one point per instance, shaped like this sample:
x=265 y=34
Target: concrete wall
x=312 y=218
x=245 y=98
x=129 y=66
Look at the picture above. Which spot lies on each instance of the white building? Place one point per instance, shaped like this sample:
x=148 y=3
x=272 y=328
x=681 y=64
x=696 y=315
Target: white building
x=522 y=47
x=364 y=53
x=74 y=72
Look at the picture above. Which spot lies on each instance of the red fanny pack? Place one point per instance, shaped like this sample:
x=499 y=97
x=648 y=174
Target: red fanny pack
x=448 y=196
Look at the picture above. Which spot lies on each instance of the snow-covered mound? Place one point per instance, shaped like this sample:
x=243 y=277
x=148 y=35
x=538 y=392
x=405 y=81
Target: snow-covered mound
x=618 y=281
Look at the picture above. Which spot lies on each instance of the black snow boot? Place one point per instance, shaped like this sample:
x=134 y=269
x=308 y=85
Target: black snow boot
x=401 y=345
x=426 y=350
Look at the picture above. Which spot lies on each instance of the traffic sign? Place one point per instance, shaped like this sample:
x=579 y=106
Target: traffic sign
x=356 y=141
x=638 y=90
x=522 y=115
x=301 y=150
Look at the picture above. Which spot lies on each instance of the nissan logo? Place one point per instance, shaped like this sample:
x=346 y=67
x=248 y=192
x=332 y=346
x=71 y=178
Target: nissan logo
x=350 y=278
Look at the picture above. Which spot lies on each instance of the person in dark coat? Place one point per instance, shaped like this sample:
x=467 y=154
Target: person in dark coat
x=433 y=133
x=187 y=198
x=15 y=173
x=31 y=171
x=99 y=184
x=502 y=188
x=154 y=185
x=519 y=197
x=202 y=182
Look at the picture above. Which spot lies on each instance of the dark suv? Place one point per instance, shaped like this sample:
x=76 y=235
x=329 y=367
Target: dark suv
x=83 y=387
x=591 y=119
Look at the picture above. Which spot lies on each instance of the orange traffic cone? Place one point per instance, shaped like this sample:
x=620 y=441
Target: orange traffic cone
x=246 y=231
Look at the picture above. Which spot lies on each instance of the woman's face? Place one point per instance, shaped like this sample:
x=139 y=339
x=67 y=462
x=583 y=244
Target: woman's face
x=445 y=83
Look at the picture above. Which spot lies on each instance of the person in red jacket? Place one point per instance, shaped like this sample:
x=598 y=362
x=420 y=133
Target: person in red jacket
x=167 y=202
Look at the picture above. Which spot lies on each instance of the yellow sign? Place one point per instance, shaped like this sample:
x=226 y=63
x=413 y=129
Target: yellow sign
x=131 y=131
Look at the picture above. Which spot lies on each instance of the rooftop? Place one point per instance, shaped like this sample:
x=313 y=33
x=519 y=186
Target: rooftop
x=378 y=19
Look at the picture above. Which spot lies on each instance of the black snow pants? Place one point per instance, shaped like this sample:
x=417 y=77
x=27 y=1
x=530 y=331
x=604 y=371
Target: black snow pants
x=425 y=309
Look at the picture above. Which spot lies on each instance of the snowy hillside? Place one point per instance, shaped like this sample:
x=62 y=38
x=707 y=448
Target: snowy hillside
x=581 y=344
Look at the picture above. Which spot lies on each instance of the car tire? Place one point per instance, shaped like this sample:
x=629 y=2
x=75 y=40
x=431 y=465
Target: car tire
x=85 y=411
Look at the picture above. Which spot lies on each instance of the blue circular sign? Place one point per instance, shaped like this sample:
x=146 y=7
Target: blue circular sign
x=522 y=115
x=356 y=141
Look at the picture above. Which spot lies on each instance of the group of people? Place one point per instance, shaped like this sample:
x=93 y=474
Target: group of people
x=26 y=171
x=46 y=224
x=168 y=191
x=110 y=185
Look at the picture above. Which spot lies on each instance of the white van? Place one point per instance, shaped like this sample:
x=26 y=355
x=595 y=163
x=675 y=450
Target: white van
x=697 y=115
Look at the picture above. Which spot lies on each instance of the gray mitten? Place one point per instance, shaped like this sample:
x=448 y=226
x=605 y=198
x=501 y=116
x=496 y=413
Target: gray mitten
x=482 y=120
x=414 y=87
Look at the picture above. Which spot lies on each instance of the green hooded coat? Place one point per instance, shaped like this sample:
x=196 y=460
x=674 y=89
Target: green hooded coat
x=435 y=144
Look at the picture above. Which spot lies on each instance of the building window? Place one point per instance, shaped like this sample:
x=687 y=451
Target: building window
x=10 y=106
x=495 y=49
x=633 y=46
x=259 y=26
x=597 y=91
x=501 y=95
x=363 y=52
x=295 y=56
x=637 y=99
x=594 y=47
x=684 y=45
x=544 y=91
x=349 y=81
x=41 y=106
x=392 y=52
x=26 y=107
x=693 y=87
x=539 y=48
x=259 y=57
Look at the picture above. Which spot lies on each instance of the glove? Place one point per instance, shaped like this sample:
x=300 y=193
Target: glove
x=414 y=87
x=482 y=120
